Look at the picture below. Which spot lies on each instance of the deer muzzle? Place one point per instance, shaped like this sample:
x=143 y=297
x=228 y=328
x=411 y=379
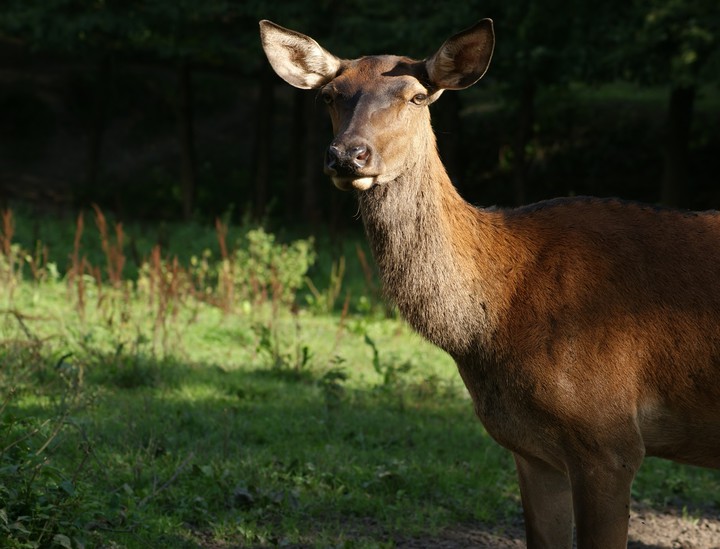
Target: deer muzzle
x=346 y=162
x=349 y=166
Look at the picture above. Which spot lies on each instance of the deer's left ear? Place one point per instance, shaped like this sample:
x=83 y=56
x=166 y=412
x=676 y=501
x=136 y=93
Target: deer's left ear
x=463 y=59
x=297 y=58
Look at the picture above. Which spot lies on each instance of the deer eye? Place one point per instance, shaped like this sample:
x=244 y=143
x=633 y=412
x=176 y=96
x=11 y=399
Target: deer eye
x=326 y=97
x=419 y=99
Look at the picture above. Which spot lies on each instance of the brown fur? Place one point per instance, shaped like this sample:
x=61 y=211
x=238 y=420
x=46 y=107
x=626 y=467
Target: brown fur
x=587 y=331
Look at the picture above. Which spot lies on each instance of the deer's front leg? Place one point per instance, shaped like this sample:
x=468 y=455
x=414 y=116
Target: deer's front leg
x=547 y=504
x=601 y=501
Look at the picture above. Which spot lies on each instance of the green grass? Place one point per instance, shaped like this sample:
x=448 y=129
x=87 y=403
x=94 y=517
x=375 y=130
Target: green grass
x=182 y=447
x=199 y=423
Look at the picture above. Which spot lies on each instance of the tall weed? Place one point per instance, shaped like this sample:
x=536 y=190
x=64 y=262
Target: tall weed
x=11 y=256
x=324 y=301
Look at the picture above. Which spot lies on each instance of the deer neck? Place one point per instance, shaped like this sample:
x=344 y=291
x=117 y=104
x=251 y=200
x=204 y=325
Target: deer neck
x=432 y=250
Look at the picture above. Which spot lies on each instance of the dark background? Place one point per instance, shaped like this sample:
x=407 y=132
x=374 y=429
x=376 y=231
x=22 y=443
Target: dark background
x=167 y=109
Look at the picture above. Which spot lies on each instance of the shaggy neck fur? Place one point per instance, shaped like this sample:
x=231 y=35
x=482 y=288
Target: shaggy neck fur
x=434 y=253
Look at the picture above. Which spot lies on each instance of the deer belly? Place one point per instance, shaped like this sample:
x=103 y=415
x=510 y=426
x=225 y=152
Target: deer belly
x=687 y=435
x=553 y=418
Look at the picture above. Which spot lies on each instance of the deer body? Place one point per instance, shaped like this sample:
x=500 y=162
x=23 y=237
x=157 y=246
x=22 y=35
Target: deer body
x=587 y=331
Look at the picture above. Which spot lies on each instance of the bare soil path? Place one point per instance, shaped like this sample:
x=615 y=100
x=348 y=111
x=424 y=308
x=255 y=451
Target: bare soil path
x=649 y=529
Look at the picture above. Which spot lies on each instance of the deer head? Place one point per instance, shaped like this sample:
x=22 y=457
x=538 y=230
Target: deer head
x=378 y=104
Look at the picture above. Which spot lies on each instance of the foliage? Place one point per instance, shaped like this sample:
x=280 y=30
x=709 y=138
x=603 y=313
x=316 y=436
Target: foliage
x=39 y=499
x=158 y=28
x=120 y=86
x=267 y=268
x=326 y=301
x=673 y=41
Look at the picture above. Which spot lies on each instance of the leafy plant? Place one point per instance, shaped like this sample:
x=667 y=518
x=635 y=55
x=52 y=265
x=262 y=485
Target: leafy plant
x=292 y=360
x=267 y=270
x=324 y=302
x=39 y=502
x=390 y=373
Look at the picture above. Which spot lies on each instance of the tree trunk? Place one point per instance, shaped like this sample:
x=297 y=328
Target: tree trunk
x=295 y=156
x=679 y=121
x=448 y=128
x=188 y=165
x=312 y=169
x=523 y=135
x=263 y=138
x=98 y=123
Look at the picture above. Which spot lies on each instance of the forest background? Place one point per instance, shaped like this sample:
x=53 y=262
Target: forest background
x=167 y=109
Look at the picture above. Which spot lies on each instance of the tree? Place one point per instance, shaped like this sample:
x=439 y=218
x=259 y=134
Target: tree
x=539 y=50
x=674 y=43
x=185 y=34
x=178 y=35
x=93 y=32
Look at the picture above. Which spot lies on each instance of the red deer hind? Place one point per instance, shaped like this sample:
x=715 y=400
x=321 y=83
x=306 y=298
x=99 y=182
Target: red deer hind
x=587 y=331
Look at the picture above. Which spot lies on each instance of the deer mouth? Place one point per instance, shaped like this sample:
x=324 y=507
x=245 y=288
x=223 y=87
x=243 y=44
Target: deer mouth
x=362 y=183
x=352 y=168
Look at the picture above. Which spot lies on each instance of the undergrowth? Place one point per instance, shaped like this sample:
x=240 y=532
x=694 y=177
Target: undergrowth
x=234 y=398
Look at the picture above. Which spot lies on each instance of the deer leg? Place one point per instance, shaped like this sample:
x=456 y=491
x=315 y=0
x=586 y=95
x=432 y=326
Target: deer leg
x=547 y=504
x=601 y=501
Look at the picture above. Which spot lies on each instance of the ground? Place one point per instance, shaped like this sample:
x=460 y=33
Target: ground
x=649 y=529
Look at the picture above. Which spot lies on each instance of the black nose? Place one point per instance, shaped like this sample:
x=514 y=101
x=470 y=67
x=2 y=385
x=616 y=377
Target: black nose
x=341 y=160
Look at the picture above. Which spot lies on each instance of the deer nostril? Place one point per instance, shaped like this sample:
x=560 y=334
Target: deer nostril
x=359 y=155
x=333 y=153
x=346 y=161
x=332 y=156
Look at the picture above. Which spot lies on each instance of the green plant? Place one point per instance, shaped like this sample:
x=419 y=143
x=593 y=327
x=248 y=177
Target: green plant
x=324 y=302
x=267 y=270
x=332 y=384
x=291 y=359
x=387 y=370
x=40 y=503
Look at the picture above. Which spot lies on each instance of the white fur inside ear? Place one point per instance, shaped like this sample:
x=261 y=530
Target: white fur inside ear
x=297 y=58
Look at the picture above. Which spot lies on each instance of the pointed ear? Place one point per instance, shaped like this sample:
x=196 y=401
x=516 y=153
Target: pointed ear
x=463 y=59
x=297 y=58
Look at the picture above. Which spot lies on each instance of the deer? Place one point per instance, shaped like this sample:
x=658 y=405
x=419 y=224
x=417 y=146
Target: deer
x=586 y=330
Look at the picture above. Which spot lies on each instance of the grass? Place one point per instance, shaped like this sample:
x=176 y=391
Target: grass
x=173 y=449
x=169 y=411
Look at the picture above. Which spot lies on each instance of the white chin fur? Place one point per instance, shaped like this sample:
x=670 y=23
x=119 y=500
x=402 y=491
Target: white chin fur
x=359 y=184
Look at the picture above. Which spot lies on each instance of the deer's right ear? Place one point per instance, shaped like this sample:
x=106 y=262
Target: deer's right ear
x=297 y=58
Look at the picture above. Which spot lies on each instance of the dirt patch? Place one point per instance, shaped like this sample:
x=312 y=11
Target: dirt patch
x=649 y=529
x=669 y=529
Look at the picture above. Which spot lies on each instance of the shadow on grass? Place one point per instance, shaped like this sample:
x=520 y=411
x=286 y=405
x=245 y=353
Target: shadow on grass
x=167 y=453
x=191 y=455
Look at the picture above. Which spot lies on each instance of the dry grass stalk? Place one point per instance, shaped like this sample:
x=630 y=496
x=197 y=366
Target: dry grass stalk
x=114 y=255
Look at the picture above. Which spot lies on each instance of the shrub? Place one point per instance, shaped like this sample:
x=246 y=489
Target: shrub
x=266 y=270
